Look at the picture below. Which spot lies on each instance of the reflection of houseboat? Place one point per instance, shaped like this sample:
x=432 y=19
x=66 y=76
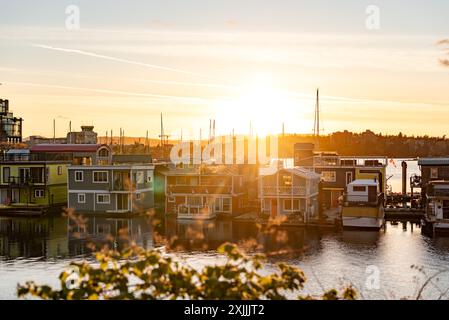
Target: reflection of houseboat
x=363 y=205
x=436 y=219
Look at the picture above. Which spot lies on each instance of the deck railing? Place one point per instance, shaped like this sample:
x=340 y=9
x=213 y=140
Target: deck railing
x=273 y=191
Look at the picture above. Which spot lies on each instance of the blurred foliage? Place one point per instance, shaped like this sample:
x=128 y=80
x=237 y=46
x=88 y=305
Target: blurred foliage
x=136 y=273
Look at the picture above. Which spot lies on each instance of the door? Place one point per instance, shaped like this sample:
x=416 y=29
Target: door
x=15 y=195
x=122 y=201
x=372 y=194
x=24 y=175
x=274 y=208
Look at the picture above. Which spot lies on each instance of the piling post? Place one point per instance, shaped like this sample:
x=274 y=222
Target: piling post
x=404 y=183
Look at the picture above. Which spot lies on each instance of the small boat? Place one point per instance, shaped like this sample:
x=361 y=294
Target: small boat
x=436 y=217
x=363 y=205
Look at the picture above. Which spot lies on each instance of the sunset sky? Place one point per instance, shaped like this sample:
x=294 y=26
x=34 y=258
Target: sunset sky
x=234 y=61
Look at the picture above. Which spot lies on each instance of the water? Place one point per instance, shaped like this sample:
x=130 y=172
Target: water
x=394 y=169
x=39 y=248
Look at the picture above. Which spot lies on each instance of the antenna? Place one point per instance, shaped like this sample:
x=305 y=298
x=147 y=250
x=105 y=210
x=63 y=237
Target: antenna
x=164 y=137
x=316 y=123
x=54 y=130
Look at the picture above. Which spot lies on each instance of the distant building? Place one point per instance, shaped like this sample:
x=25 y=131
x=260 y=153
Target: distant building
x=87 y=135
x=10 y=126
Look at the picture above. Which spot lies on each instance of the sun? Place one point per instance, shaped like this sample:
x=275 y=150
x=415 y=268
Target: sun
x=261 y=105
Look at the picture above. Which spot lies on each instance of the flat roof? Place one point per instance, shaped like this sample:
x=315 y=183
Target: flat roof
x=55 y=147
x=364 y=182
x=433 y=161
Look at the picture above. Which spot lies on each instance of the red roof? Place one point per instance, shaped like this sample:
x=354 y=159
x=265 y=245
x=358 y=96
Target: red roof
x=48 y=147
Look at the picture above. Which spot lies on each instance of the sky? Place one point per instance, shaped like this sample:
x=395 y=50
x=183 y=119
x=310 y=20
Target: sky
x=238 y=62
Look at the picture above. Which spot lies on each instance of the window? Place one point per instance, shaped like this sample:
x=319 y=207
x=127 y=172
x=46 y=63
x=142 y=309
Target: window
x=139 y=177
x=6 y=174
x=358 y=188
x=103 y=198
x=296 y=204
x=103 y=153
x=39 y=193
x=288 y=204
x=79 y=176
x=433 y=173
x=138 y=196
x=181 y=181
x=81 y=198
x=329 y=176
x=287 y=180
x=59 y=170
x=217 y=204
x=226 y=204
x=149 y=175
x=267 y=204
x=194 y=201
x=193 y=181
x=100 y=176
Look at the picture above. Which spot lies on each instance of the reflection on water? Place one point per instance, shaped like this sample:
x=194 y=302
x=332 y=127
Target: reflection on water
x=39 y=248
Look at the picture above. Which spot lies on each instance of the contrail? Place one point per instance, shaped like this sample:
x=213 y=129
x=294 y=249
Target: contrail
x=137 y=63
x=115 y=92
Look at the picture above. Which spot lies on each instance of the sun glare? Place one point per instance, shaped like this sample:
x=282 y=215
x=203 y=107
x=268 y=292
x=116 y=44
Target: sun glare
x=261 y=106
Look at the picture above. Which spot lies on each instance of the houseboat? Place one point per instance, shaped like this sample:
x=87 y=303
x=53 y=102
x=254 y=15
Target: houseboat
x=338 y=171
x=205 y=191
x=123 y=185
x=363 y=205
x=436 y=218
x=34 y=181
x=288 y=192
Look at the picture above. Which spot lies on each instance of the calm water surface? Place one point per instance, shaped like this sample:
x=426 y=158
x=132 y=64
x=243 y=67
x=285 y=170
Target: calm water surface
x=39 y=249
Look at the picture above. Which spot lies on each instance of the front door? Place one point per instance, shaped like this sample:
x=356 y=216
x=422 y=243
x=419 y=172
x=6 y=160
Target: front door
x=122 y=201
x=24 y=175
x=372 y=194
x=15 y=195
x=274 y=208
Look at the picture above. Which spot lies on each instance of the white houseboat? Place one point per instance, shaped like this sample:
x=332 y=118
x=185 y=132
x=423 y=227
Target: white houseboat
x=363 y=205
x=436 y=218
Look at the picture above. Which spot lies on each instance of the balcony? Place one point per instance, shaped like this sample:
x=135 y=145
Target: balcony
x=284 y=191
x=173 y=189
x=186 y=211
x=24 y=181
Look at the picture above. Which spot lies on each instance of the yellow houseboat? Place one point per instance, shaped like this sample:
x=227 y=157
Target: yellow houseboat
x=363 y=205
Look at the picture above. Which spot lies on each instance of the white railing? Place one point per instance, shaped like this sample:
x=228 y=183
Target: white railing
x=296 y=191
x=195 y=211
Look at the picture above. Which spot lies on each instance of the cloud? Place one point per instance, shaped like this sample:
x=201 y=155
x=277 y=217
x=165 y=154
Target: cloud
x=117 y=92
x=95 y=55
x=443 y=42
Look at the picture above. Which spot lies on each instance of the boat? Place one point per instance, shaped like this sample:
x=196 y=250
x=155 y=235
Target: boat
x=363 y=205
x=436 y=217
